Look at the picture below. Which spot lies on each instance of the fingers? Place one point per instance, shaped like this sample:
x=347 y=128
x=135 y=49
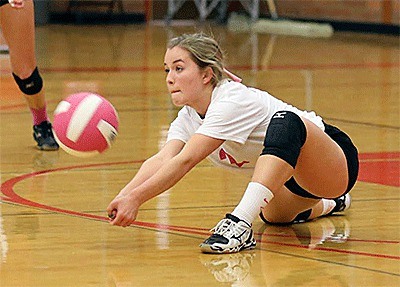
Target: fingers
x=121 y=220
x=122 y=212
x=111 y=210
x=112 y=214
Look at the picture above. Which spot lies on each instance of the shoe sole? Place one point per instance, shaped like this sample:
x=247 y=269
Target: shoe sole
x=206 y=248
x=47 y=148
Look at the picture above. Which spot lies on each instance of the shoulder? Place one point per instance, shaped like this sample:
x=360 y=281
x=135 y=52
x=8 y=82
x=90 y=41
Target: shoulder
x=227 y=87
x=235 y=97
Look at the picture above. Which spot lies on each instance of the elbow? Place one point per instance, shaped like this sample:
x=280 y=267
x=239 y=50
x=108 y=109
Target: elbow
x=186 y=164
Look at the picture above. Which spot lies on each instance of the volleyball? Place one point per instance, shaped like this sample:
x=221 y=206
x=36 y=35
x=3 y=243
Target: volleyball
x=85 y=124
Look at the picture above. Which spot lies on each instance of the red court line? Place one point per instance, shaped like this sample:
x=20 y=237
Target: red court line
x=233 y=67
x=379 y=155
x=21 y=105
x=246 y=67
x=375 y=241
x=12 y=197
x=322 y=66
x=334 y=250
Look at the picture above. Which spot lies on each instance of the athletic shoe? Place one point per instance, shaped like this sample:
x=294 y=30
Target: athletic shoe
x=44 y=137
x=342 y=203
x=230 y=235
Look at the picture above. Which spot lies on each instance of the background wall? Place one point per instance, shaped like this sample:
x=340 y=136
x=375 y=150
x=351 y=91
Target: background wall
x=129 y=6
x=359 y=11
x=364 y=11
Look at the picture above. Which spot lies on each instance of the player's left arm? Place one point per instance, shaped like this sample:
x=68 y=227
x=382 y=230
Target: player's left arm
x=196 y=149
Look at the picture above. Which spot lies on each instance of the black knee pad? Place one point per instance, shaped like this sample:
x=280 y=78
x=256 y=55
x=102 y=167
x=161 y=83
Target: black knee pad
x=285 y=136
x=3 y=2
x=31 y=85
x=302 y=216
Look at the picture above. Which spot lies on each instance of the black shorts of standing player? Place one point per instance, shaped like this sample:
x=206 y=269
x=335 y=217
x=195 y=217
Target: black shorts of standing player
x=3 y=2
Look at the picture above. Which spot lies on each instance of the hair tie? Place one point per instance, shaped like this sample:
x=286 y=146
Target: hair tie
x=232 y=76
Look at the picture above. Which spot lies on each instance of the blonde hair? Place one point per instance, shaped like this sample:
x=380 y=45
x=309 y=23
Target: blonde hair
x=204 y=51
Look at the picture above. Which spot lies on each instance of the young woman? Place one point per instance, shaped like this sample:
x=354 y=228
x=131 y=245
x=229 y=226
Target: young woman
x=302 y=167
x=18 y=28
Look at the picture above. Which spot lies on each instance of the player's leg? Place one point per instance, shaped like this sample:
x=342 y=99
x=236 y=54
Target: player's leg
x=314 y=167
x=294 y=148
x=23 y=62
x=288 y=207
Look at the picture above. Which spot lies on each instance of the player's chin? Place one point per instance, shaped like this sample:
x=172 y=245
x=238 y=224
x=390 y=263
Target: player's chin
x=177 y=101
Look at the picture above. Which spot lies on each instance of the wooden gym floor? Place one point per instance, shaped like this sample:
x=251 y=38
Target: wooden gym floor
x=53 y=226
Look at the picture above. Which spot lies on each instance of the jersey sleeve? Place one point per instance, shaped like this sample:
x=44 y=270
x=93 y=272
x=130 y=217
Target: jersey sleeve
x=179 y=128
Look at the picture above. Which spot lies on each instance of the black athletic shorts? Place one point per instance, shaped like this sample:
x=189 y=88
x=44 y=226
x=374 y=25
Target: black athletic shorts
x=3 y=2
x=351 y=153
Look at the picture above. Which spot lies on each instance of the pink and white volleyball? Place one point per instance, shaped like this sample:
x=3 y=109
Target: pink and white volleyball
x=85 y=124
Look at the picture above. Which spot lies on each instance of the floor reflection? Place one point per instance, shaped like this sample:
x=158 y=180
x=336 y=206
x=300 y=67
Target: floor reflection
x=236 y=269
x=333 y=229
x=228 y=267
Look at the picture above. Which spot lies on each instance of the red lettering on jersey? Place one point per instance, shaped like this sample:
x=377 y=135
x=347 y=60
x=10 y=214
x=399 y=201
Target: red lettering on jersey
x=223 y=155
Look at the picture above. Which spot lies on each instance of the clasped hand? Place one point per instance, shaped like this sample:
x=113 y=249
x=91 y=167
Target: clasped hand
x=123 y=210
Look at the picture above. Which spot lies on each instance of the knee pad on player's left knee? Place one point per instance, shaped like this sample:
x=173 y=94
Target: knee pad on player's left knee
x=285 y=136
x=31 y=85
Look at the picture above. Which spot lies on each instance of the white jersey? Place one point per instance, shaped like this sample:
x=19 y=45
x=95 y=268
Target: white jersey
x=239 y=115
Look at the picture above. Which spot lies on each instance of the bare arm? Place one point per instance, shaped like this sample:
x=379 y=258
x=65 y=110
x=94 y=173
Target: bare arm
x=153 y=164
x=168 y=174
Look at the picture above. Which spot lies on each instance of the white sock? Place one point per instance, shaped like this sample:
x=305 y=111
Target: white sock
x=255 y=197
x=328 y=205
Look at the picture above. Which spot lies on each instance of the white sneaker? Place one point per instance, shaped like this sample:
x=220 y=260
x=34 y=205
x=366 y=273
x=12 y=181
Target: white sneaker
x=230 y=235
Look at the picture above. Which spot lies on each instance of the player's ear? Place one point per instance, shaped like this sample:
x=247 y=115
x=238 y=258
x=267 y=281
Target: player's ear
x=207 y=75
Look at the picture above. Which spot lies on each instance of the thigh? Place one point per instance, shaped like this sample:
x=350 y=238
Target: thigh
x=322 y=167
x=22 y=43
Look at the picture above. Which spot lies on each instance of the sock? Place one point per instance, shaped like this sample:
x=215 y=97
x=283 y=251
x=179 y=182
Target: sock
x=328 y=206
x=254 y=199
x=39 y=115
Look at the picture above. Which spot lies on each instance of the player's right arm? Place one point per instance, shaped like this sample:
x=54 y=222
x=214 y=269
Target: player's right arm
x=153 y=164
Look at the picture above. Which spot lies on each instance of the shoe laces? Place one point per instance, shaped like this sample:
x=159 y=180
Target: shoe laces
x=228 y=228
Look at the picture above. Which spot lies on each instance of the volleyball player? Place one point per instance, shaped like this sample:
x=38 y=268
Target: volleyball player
x=302 y=168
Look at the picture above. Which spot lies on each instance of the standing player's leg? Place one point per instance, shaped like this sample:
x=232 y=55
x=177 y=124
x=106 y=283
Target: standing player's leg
x=18 y=29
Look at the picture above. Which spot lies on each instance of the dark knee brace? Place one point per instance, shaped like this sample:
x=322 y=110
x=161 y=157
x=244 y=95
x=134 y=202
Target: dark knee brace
x=285 y=136
x=301 y=217
x=31 y=85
